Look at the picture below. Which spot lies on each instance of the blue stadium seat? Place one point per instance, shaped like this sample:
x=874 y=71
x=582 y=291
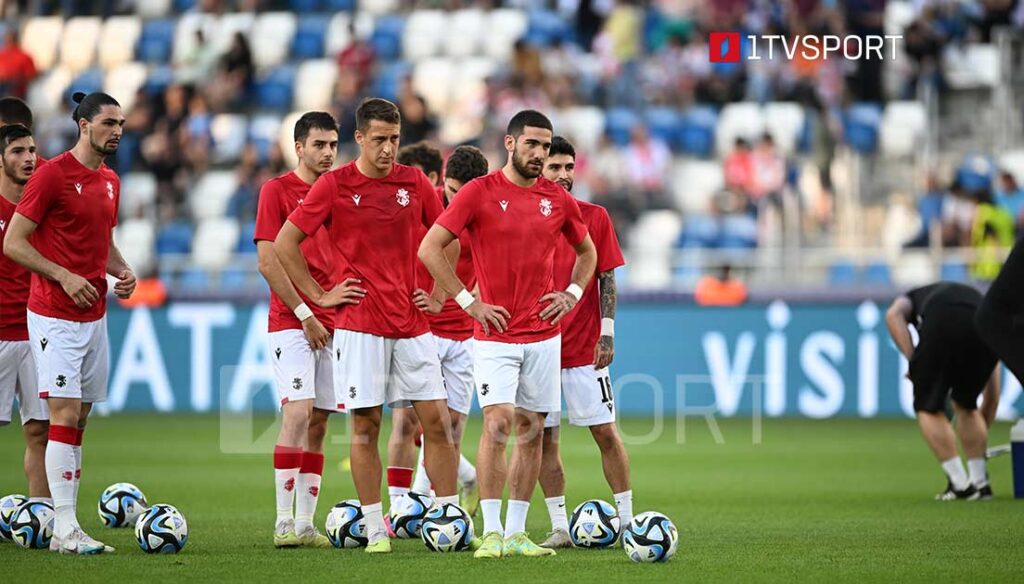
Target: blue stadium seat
x=174 y=238
x=308 y=42
x=699 y=231
x=184 y=5
x=697 y=131
x=975 y=173
x=618 y=122
x=386 y=39
x=664 y=124
x=545 y=26
x=842 y=273
x=234 y=278
x=739 y=232
x=954 y=272
x=274 y=90
x=159 y=78
x=89 y=81
x=245 y=244
x=878 y=274
x=304 y=6
x=156 y=41
x=388 y=80
x=341 y=5
x=860 y=126
x=194 y=279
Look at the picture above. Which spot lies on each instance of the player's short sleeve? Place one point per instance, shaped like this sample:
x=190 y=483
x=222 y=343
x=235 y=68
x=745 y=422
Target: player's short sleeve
x=461 y=211
x=609 y=254
x=315 y=209
x=117 y=199
x=431 y=202
x=41 y=193
x=269 y=213
x=573 y=228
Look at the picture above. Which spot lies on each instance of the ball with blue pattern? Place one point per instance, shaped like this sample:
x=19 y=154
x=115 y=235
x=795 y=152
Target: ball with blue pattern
x=32 y=525
x=408 y=515
x=650 y=537
x=8 y=505
x=447 y=528
x=121 y=504
x=346 y=527
x=161 y=529
x=594 y=524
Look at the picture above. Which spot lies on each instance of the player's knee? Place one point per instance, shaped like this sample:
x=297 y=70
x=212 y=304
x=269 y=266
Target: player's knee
x=497 y=428
x=606 y=437
x=35 y=432
x=316 y=432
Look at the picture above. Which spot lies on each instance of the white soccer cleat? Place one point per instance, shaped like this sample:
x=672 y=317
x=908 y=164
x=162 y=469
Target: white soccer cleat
x=79 y=542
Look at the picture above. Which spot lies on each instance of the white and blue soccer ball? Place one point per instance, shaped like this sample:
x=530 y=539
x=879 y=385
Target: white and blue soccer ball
x=345 y=525
x=447 y=528
x=161 y=529
x=8 y=505
x=32 y=525
x=594 y=524
x=408 y=516
x=650 y=537
x=121 y=504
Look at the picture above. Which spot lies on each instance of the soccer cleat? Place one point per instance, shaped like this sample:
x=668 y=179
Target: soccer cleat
x=312 y=538
x=284 y=535
x=984 y=493
x=951 y=494
x=387 y=526
x=475 y=544
x=381 y=546
x=557 y=539
x=78 y=542
x=469 y=497
x=521 y=545
x=491 y=545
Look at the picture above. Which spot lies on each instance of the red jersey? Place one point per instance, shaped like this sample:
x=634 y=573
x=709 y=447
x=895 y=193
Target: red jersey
x=278 y=198
x=14 y=286
x=513 y=232
x=75 y=209
x=582 y=327
x=373 y=225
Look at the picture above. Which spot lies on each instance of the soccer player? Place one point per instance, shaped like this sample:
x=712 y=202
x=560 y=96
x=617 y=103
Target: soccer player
x=515 y=219
x=1000 y=318
x=299 y=336
x=588 y=347
x=62 y=231
x=453 y=331
x=15 y=111
x=950 y=360
x=17 y=368
x=373 y=208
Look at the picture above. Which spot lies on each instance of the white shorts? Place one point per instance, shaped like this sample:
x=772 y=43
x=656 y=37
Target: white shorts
x=371 y=371
x=457 y=369
x=18 y=379
x=71 y=357
x=588 y=397
x=300 y=373
x=523 y=374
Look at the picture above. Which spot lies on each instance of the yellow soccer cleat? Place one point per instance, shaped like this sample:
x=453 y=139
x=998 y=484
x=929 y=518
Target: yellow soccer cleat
x=521 y=545
x=312 y=538
x=381 y=546
x=490 y=546
x=469 y=497
x=284 y=535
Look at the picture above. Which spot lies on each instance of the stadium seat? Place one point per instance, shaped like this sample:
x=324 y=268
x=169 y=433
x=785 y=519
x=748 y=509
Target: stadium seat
x=272 y=33
x=215 y=242
x=123 y=82
x=618 y=123
x=263 y=132
x=88 y=81
x=954 y=272
x=314 y=84
x=152 y=8
x=245 y=243
x=423 y=34
x=308 y=42
x=898 y=15
x=860 y=126
x=740 y=119
x=697 y=131
x=225 y=27
x=505 y=26
x=119 y=36
x=339 y=5
x=156 y=42
x=389 y=79
x=378 y=7
x=975 y=66
x=903 y=128
x=664 y=123
x=694 y=182
x=386 y=39
x=209 y=198
x=543 y=27
x=433 y=79
x=738 y=232
x=174 y=238
x=304 y=6
x=159 y=78
x=134 y=237
x=1013 y=161
x=877 y=274
x=651 y=243
x=229 y=132
x=138 y=191
x=46 y=94
x=584 y=125
x=40 y=39
x=842 y=273
x=235 y=278
x=785 y=122
x=78 y=42
x=193 y=279
x=471 y=25
x=700 y=231
x=185 y=33
x=274 y=89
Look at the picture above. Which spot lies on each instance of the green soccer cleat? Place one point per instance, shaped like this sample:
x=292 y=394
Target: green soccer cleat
x=381 y=546
x=284 y=535
x=312 y=538
x=490 y=546
x=521 y=545
x=469 y=497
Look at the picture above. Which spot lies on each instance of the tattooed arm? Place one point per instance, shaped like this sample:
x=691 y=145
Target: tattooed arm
x=604 y=351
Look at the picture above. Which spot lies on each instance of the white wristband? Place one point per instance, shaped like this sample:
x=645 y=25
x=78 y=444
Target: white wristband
x=464 y=299
x=302 y=312
x=575 y=290
x=607 y=327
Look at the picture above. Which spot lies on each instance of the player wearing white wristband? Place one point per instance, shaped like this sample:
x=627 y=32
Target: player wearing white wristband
x=299 y=336
x=588 y=347
x=515 y=220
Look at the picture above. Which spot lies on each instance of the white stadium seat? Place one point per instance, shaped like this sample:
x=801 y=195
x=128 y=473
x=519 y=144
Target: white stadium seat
x=209 y=198
x=738 y=119
x=272 y=38
x=585 y=124
x=135 y=238
x=651 y=246
x=152 y=8
x=902 y=128
x=286 y=138
x=123 y=81
x=227 y=25
x=784 y=121
x=117 y=40
x=504 y=27
x=1013 y=162
x=433 y=79
x=215 y=242
x=378 y=7
x=40 y=39
x=46 y=94
x=138 y=190
x=185 y=33
x=314 y=84
x=898 y=14
x=230 y=134
x=470 y=25
x=694 y=182
x=976 y=65
x=78 y=42
x=424 y=34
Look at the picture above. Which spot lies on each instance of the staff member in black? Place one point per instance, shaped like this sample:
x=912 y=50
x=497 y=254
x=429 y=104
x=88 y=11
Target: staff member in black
x=1000 y=318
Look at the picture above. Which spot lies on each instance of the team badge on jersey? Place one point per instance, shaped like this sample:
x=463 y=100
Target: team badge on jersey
x=545 y=207
x=110 y=190
x=403 y=197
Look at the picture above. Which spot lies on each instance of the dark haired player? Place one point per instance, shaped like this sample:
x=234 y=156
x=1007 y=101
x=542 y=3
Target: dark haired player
x=62 y=231
x=14 y=111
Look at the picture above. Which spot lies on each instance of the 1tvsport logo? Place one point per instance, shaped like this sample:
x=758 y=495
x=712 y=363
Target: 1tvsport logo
x=728 y=47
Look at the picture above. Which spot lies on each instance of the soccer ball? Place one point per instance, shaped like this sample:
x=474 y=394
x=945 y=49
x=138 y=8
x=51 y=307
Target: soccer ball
x=345 y=526
x=121 y=504
x=161 y=529
x=594 y=524
x=8 y=505
x=447 y=528
x=32 y=525
x=650 y=537
x=406 y=519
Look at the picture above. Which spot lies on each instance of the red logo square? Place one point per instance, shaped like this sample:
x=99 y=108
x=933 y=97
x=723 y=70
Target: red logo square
x=724 y=47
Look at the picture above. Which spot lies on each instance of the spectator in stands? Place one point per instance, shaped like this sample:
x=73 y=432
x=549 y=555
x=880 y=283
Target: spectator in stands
x=235 y=71
x=417 y=123
x=991 y=234
x=996 y=13
x=526 y=63
x=17 y=68
x=923 y=43
x=199 y=63
x=343 y=105
x=738 y=167
x=648 y=161
x=162 y=156
x=866 y=17
x=357 y=56
x=769 y=173
x=958 y=216
x=197 y=138
x=720 y=290
x=1010 y=197
x=929 y=208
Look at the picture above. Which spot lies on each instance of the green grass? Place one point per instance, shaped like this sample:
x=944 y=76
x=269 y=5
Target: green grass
x=837 y=500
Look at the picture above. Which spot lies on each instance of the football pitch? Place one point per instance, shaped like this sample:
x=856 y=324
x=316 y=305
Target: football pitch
x=835 y=500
